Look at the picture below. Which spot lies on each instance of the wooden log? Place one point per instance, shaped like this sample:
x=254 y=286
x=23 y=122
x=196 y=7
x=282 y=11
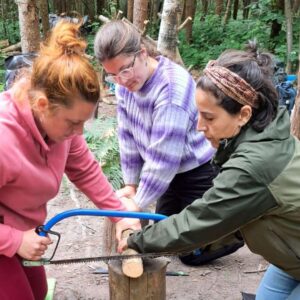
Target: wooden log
x=12 y=48
x=4 y=43
x=151 y=285
x=132 y=267
x=12 y=53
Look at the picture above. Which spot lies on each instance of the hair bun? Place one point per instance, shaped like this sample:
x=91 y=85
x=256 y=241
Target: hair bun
x=64 y=40
x=264 y=60
x=252 y=47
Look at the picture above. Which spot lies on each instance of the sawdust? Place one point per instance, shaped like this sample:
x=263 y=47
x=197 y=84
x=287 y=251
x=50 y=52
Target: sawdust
x=83 y=236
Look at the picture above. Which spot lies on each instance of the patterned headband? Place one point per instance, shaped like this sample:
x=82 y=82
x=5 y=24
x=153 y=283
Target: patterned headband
x=231 y=84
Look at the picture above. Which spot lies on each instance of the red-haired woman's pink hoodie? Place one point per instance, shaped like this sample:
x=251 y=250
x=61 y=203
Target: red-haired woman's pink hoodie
x=31 y=173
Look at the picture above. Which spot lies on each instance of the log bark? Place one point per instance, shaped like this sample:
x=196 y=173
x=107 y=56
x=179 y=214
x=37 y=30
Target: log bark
x=29 y=25
x=130 y=10
x=219 y=7
x=140 y=13
x=151 y=285
x=190 y=10
x=167 y=38
x=44 y=15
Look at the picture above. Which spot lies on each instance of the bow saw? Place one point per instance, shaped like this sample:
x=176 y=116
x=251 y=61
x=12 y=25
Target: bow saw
x=44 y=230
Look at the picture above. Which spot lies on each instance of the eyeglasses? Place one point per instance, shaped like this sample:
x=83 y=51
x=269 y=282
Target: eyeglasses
x=125 y=74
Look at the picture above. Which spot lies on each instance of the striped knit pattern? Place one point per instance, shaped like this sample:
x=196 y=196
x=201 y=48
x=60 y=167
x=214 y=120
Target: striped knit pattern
x=157 y=131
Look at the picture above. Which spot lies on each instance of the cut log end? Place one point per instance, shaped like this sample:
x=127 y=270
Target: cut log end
x=132 y=267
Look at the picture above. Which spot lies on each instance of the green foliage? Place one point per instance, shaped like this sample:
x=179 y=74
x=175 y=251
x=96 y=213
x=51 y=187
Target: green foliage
x=211 y=38
x=11 y=32
x=90 y=38
x=102 y=140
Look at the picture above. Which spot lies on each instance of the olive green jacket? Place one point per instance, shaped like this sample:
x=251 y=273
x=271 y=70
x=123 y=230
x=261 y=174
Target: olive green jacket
x=256 y=192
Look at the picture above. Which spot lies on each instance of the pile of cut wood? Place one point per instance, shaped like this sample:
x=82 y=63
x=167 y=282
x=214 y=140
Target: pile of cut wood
x=8 y=50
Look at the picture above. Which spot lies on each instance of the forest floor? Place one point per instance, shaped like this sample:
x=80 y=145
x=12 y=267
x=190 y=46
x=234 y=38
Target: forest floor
x=83 y=236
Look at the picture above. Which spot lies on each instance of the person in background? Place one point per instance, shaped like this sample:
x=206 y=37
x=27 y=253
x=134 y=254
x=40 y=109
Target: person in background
x=163 y=158
x=41 y=125
x=257 y=190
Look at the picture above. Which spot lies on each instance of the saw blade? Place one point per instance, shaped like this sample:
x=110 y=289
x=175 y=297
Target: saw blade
x=45 y=261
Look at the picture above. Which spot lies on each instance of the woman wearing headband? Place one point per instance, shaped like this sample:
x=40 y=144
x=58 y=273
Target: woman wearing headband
x=257 y=190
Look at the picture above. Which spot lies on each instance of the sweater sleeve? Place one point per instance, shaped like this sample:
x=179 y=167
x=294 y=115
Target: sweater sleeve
x=10 y=238
x=164 y=154
x=236 y=199
x=84 y=171
x=131 y=161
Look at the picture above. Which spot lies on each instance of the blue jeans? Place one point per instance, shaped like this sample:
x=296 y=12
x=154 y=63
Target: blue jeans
x=278 y=285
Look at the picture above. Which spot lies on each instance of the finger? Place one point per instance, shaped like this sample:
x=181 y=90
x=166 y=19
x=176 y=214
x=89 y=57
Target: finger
x=36 y=257
x=118 y=234
x=43 y=247
x=119 y=249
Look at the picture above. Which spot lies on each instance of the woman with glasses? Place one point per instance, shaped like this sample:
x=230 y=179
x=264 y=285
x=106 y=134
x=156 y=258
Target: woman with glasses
x=163 y=157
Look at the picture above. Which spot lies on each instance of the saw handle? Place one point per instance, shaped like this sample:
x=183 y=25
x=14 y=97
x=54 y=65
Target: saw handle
x=41 y=232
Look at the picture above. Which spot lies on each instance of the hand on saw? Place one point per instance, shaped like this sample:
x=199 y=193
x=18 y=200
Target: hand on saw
x=33 y=246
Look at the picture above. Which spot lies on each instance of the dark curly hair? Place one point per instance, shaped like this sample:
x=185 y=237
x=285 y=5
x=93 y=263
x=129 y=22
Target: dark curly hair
x=257 y=69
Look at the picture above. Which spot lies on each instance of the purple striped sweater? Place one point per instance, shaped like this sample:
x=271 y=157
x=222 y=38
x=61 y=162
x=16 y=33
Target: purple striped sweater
x=157 y=131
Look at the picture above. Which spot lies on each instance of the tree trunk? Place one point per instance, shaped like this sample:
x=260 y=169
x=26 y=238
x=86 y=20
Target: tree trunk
x=44 y=15
x=276 y=26
x=59 y=6
x=140 y=13
x=154 y=11
x=130 y=5
x=246 y=4
x=295 y=126
x=167 y=38
x=29 y=25
x=89 y=9
x=190 y=10
x=296 y=6
x=204 y=9
x=289 y=33
x=219 y=7
x=227 y=13
x=235 y=9
x=100 y=6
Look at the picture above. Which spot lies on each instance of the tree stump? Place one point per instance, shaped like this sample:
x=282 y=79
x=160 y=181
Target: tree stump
x=150 y=286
